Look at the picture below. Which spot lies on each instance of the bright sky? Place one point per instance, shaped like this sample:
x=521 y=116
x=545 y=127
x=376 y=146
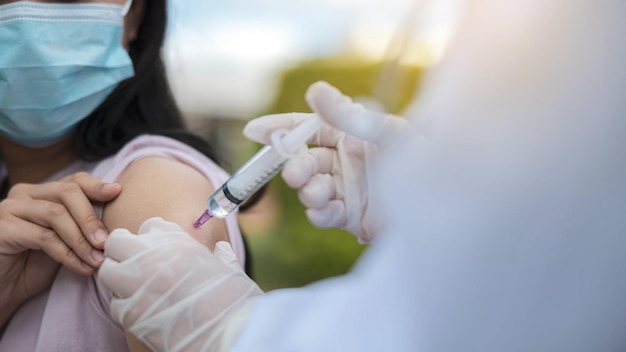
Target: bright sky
x=223 y=55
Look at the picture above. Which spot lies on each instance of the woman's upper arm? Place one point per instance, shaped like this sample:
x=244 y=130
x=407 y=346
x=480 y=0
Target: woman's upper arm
x=166 y=188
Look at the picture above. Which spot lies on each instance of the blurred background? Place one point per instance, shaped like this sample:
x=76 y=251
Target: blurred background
x=229 y=61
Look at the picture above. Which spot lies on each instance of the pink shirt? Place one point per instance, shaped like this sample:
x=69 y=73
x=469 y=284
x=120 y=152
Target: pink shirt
x=73 y=314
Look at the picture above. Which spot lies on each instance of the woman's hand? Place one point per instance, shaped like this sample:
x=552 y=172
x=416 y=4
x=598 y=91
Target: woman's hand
x=45 y=225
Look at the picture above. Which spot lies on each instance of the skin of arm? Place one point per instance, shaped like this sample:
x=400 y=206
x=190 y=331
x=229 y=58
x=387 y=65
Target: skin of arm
x=169 y=189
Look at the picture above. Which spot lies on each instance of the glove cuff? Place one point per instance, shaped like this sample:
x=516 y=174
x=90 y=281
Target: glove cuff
x=235 y=323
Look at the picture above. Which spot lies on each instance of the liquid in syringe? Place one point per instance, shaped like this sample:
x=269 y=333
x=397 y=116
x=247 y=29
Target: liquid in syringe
x=258 y=170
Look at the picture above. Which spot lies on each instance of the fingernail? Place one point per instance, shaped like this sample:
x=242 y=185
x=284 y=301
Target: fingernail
x=106 y=187
x=86 y=266
x=100 y=235
x=224 y=251
x=97 y=255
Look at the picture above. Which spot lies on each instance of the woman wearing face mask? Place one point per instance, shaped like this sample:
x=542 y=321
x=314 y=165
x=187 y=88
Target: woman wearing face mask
x=86 y=116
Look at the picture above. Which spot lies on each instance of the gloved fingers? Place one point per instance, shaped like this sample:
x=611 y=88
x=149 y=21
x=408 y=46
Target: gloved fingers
x=339 y=111
x=261 y=128
x=320 y=189
x=333 y=214
x=128 y=305
x=158 y=225
x=118 y=278
x=125 y=277
x=225 y=253
x=112 y=276
x=185 y=321
x=299 y=169
x=122 y=245
x=184 y=296
x=172 y=289
x=142 y=284
x=124 y=309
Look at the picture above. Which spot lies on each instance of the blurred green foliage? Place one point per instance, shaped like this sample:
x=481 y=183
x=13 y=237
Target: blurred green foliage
x=297 y=253
x=393 y=85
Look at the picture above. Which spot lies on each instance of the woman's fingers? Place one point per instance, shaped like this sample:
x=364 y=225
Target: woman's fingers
x=28 y=235
x=75 y=194
x=85 y=216
x=59 y=219
x=93 y=187
x=61 y=222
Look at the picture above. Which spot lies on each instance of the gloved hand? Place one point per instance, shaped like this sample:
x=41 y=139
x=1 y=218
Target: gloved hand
x=333 y=180
x=172 y=292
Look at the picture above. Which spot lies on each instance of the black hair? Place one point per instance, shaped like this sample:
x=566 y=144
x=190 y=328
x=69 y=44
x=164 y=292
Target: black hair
x=142 y=104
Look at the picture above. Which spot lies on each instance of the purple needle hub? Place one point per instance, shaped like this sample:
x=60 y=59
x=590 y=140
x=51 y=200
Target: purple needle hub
x=202 y=219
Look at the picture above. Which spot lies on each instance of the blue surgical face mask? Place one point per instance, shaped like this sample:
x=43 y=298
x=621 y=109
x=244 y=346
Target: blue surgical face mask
x=58 y=62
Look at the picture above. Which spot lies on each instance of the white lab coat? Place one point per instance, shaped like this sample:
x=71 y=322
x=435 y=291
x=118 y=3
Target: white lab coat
x=506 y=204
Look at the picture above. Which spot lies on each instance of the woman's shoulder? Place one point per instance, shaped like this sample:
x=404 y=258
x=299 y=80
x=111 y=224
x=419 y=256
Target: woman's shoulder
x=155 y=145
x=145 y=146
x=147 y=142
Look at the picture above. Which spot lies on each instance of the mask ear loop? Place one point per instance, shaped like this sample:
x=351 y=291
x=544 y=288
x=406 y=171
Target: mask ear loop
x=126 y=7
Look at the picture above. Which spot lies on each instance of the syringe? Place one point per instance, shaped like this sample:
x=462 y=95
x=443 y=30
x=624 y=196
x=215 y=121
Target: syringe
x=258 y=170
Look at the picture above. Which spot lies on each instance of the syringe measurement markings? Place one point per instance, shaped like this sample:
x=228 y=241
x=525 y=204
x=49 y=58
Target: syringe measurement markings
x=261 y=179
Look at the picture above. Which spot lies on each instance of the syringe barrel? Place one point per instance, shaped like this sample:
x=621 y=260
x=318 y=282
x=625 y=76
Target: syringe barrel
x=251 y=176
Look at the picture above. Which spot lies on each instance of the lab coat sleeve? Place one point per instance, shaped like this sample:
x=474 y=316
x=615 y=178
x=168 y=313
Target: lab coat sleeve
x=506 y=204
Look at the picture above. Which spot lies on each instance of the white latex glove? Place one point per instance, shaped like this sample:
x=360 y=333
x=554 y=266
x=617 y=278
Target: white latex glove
x=332 y=180
x=172 y=292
